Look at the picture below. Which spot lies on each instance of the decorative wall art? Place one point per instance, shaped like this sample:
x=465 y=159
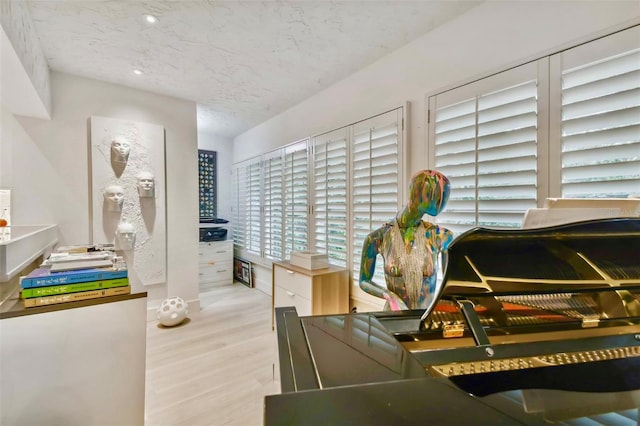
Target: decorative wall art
x=128 y=205
x=242 y=271
x=207 y=172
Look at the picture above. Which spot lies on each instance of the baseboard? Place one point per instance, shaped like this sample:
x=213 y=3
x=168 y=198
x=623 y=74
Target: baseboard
x=263 y=287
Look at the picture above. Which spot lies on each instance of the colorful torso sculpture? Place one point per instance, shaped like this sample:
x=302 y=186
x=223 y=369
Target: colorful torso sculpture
x=410 y=247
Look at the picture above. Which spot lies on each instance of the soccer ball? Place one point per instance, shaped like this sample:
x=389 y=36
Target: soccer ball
x=172 y=311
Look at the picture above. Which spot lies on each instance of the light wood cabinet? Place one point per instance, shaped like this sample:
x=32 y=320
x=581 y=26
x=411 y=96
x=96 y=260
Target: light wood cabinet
x=312 y=292
x=215 y=263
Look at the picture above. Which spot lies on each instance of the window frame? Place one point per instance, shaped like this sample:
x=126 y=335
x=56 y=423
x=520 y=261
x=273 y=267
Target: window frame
x=401 y=112
x=549 y=162
x=477 y=89
x=579 y=55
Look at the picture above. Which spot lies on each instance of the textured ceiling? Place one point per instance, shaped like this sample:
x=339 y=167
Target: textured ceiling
x=243 y=62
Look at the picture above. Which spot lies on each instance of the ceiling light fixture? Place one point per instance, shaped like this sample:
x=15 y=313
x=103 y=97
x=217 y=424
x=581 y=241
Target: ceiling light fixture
x=137 y=72
x=150 y=19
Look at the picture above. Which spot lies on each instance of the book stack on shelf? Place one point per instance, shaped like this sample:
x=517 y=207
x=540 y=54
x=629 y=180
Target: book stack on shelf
x=75 y=275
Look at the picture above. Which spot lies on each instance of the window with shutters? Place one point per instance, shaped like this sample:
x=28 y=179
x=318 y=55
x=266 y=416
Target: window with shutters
x=273 y=206
x=329 y=193
x=253 y=208
x=599 y=95
x=247 y=206
x=239 y=209
x=564 y=125
x=376 y=183
x=486 y=137
x=295 y=198
x=357 y=186
x=270 y=209
x=353 y=185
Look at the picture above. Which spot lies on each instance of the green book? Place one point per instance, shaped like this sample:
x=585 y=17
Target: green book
x=28 y=293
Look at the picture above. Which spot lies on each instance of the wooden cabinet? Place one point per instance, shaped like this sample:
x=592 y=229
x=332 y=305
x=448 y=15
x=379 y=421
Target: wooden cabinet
x=312 y=292
x=215 y=263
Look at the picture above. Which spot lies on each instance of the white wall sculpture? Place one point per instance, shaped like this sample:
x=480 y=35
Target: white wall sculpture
x=146 y=184
x=122 y=152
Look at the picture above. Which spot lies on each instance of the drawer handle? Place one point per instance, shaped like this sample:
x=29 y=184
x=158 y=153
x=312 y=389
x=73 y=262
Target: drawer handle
x=221 y=270
x=290 y=294
x=213 y=262
x=290 y=271
x=201 y=274
x=221 y=251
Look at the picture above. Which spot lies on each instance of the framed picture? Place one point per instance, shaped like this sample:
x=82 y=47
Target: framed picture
x=207 y=173
x=242 y=271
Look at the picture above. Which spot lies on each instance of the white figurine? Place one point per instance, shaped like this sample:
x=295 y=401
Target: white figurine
x=120 y=149
x=125 y=236
x=146 y=184
x=172 y=311
x=113 y=198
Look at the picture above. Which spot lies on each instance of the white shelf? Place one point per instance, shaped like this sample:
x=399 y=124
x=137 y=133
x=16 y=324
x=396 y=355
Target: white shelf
x=21 y=245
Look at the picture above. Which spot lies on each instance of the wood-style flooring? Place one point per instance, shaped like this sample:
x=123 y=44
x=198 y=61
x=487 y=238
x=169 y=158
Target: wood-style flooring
x=216 y=368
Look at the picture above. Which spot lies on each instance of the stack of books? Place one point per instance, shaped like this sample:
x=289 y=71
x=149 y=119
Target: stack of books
x=69 y=277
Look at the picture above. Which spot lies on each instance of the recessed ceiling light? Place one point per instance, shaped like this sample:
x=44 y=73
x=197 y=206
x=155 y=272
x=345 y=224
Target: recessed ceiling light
x=137 y=72
x=150 y=19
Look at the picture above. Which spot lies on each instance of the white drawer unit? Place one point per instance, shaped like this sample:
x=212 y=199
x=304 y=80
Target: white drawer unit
x=283 y=297
x=215 y=263
x=312 y=292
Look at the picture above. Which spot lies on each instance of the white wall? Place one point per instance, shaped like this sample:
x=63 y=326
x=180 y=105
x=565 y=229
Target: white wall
x=19 y=157
x=46 y=165
x=224 y=148
x=25 y=73
x=488 y=38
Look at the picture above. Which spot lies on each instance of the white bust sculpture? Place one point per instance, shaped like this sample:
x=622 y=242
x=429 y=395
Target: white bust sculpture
x=113 y=198
x=146 y=184
x=120 y=149
x=125 y=236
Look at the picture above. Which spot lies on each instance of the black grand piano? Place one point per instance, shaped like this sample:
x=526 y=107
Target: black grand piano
x=537 y=326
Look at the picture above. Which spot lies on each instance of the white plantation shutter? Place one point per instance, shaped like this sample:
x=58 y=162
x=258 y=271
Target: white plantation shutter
x=600 y=109
x=271 y=203
x=273 y=206
x=247 y=203
x=375 y=178
x=507 y=150
x=329 y=189
x=295 y=198
x=253 y=207
x=354 y=182
x=455 y=156
x=484 y=137
x=566 y=125
x=239 y=206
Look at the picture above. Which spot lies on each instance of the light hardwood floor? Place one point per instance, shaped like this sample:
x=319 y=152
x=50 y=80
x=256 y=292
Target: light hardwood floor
x=217 y=368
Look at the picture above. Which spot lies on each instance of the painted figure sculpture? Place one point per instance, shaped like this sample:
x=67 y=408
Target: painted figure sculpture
x=410 y=247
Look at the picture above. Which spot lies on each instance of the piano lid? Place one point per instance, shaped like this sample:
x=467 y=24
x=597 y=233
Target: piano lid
x=591 y=254
x=545 y=318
